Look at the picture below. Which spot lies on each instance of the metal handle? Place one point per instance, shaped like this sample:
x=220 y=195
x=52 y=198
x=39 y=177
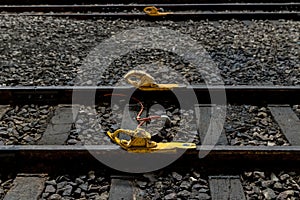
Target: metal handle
x=139 y=79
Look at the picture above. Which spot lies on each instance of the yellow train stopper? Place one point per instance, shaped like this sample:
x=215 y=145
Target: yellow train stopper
x=154 y=12
x=145 y=81
x=140 y=142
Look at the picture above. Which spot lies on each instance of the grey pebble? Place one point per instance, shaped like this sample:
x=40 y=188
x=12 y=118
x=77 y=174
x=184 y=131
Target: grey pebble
x=184 y=193
x=61 y=185
x=176 y=176
x=67 y=190
x=45 y=195
x=267 y=183
x=185 y=185
x=84 y=186
x=104 y=188
x=150 y=176
x=55 y=197
x=72 y=141
x=141 y=184
x=203 y=190
x=103 y=196
x=77 y=191
x=50 y=189
x=51 y=182
x=91 y=175
x=285 y=194
x=269 y=193
x=278 y=185
x=170 y=196
x=284 y=177
x=197 y=186
x=79 y=181
x=259 y=174
x=203 y=196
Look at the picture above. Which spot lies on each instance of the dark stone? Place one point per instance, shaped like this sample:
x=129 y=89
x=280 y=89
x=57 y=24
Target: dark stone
x=176 y=176
x=50 y=189
x=184 y=193
x=170 y=196
x=67 y=190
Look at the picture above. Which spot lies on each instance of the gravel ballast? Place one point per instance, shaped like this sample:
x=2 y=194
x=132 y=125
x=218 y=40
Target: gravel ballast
x=24 y=124
x=86 y=186
x=244 y=125
x=269 y=185
x=93 y=123
x=252 y=125
x=5 y=184
x=169 y=185
x=50 y=51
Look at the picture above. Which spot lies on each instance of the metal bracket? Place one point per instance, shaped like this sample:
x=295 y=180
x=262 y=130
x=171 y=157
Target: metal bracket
x=145 y=81
x=140 y=142
x=154 y=12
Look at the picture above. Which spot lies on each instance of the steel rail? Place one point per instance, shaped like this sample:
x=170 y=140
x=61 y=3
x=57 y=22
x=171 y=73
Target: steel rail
x=38 y=158
x=175 y=16
x=83 y=95
x=251 y=152
x=83 y=2
x=289 y=10
x=172 y=7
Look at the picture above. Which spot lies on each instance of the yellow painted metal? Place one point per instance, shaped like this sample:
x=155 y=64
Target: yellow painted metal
x=160 y=87
x=153 y=11
x=146 y=82
x=140 y=142
x=139 y=78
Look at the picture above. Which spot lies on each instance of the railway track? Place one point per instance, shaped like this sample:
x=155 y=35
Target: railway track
x=228 y=168
x=222 y=164
x=242 y=94
x=183 y=11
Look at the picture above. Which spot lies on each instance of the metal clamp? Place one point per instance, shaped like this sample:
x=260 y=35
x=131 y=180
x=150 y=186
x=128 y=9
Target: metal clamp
x=141 y=142
x=145 y=81
x=153 y=11
x=139 y=138
x=139 y=79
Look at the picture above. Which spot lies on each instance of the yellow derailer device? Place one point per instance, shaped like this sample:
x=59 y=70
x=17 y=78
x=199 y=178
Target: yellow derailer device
x=155 y=12
x=145 y=81
x=140 y=142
